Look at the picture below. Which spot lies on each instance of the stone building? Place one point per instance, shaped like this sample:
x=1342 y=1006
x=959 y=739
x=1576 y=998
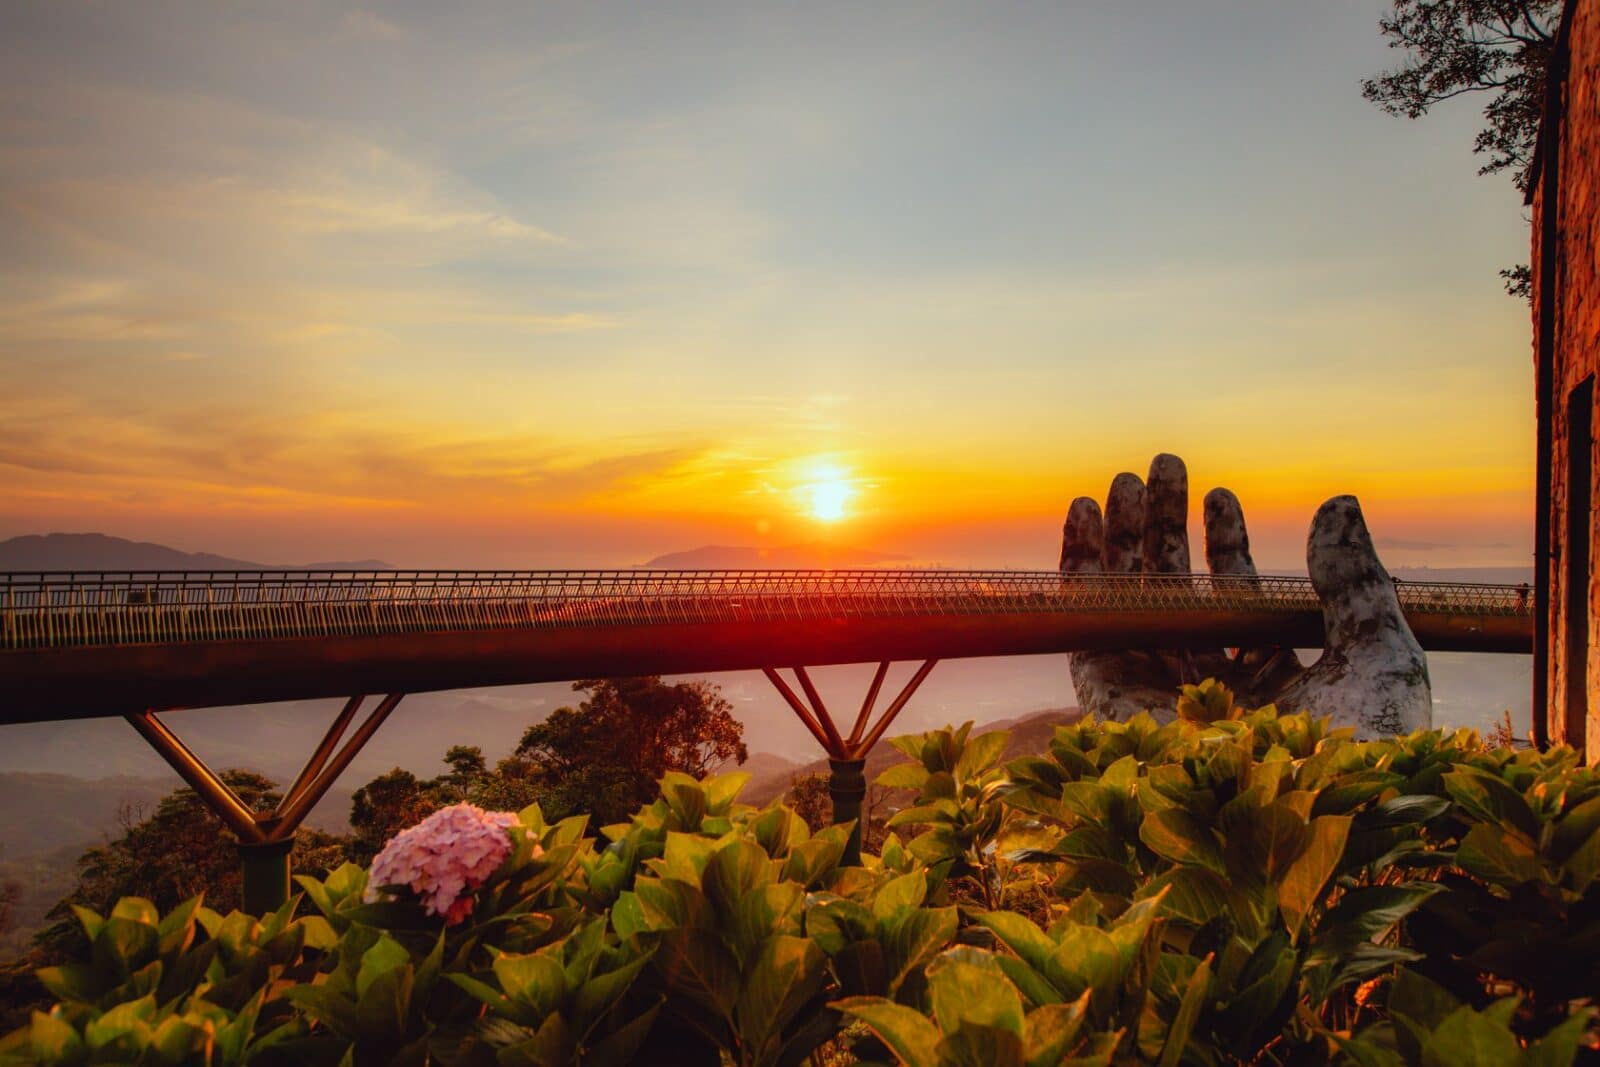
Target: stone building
x=1565 y=196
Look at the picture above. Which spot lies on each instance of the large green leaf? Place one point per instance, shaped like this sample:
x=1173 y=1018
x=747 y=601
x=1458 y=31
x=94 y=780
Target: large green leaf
x=980 y=753
x=1363 y=914
x=534 y=979
x=1194 y=895
x=978 y=1045
x=1089 y=801
x=765 y=912
x=903 y=776
x=1406 y=810
x=734 y=870
x=1495 y=855
x=721 y=789
x=912 y=937
x=1558 y=1047
x=123 y=945
x=787 y=974
x=385 y=956
x=1021 y=936
x=1301 y=888
x=1470 y=1039
x=1176 y=835
x=1085 y=958
x=1264 y=842
x=1575 y=827
x=1183 y=1020
x=1488 y=798
x=699 y=967
x=1049 y=1031
x=1349 y=791
x=621 y=1047
x=910 y=1035
x=964 y=993
x=906 y=891
x=382 y=1011
x=1420 y=999
x=53 y=1040
x=686 y=857
x=1583 y=865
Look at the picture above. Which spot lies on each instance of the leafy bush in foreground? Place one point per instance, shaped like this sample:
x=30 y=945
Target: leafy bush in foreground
x=1232 y=887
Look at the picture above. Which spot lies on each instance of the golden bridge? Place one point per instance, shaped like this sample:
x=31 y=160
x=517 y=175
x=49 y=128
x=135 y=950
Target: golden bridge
x=80 y=645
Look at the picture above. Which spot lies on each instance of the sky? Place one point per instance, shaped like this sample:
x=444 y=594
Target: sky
x=579 y=284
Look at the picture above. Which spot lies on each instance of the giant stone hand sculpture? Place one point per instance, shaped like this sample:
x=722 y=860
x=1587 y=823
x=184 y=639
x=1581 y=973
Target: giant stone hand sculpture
x=1372 y=674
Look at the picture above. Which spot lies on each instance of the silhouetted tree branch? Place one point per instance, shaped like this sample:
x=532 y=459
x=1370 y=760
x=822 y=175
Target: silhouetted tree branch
x=1458 y=47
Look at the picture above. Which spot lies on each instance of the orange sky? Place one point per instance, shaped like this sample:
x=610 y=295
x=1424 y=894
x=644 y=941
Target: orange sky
x=569 y=286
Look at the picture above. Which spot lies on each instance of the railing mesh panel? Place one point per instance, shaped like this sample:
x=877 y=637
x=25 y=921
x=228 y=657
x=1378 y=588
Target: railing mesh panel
x=78 y=609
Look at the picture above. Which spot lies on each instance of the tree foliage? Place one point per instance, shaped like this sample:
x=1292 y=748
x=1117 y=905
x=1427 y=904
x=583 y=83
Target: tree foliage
x=603 y=757
x=1457 y=47
x=606 y=755
x=1501 y=48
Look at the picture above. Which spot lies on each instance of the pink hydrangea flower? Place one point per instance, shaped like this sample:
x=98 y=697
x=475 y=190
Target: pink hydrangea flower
x=445 y=858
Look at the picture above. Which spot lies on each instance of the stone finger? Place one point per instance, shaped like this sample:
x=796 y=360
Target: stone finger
x=1082 y=537
x=1124 y=525
x=1227 y=539
x=1166 y=516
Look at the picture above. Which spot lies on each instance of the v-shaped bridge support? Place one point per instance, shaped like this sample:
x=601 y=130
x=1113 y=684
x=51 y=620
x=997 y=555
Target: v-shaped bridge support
x=266 y=837
x=847 y=755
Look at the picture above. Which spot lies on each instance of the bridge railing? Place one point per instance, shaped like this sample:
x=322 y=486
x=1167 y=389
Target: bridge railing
x=77 y=609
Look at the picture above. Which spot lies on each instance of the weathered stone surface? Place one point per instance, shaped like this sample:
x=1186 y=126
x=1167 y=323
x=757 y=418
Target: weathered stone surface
x=1115 y=544
x=1166 y=516
x=1082 y=537
x=1124 y=527
x=1372 y=675
x=1227 y=540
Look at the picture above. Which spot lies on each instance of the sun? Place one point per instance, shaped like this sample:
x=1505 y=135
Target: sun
x=828 y=500
x=825 y=491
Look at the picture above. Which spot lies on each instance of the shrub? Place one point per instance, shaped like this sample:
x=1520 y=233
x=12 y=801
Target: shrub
x=1236 y=886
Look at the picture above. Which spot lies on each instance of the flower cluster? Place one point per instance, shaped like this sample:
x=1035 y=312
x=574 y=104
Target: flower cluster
x=445 y=857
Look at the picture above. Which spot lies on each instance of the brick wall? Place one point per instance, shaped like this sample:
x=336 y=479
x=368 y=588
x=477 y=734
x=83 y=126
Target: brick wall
x=1572 y=282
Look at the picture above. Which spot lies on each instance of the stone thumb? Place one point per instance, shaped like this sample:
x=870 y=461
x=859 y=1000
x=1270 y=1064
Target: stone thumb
x=1373 y=674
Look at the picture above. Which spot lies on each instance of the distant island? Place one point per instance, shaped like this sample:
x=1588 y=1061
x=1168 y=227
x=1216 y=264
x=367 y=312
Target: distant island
x=102 y=552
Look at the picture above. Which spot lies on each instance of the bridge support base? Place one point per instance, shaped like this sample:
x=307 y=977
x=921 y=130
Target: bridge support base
x=847 y=784
x=267 y=837
x=847 y=787
x=264 y=875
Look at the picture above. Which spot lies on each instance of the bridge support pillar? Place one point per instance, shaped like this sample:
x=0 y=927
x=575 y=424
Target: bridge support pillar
x=267 y=837
x=847 y=756
x=264 y=875
x=847 y=788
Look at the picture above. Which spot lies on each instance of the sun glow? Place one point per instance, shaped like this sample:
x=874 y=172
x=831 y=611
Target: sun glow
x=826 y=492
x=828 y=500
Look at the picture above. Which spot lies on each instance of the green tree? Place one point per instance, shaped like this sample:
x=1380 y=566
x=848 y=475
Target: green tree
x=809 y=797
x=603 y=757
x=388 y=804
x=1500 y=48
x=606 y=755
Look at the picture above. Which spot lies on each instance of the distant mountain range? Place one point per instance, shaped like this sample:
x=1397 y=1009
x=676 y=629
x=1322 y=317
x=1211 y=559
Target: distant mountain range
x=787 y=557
x=101 y=552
